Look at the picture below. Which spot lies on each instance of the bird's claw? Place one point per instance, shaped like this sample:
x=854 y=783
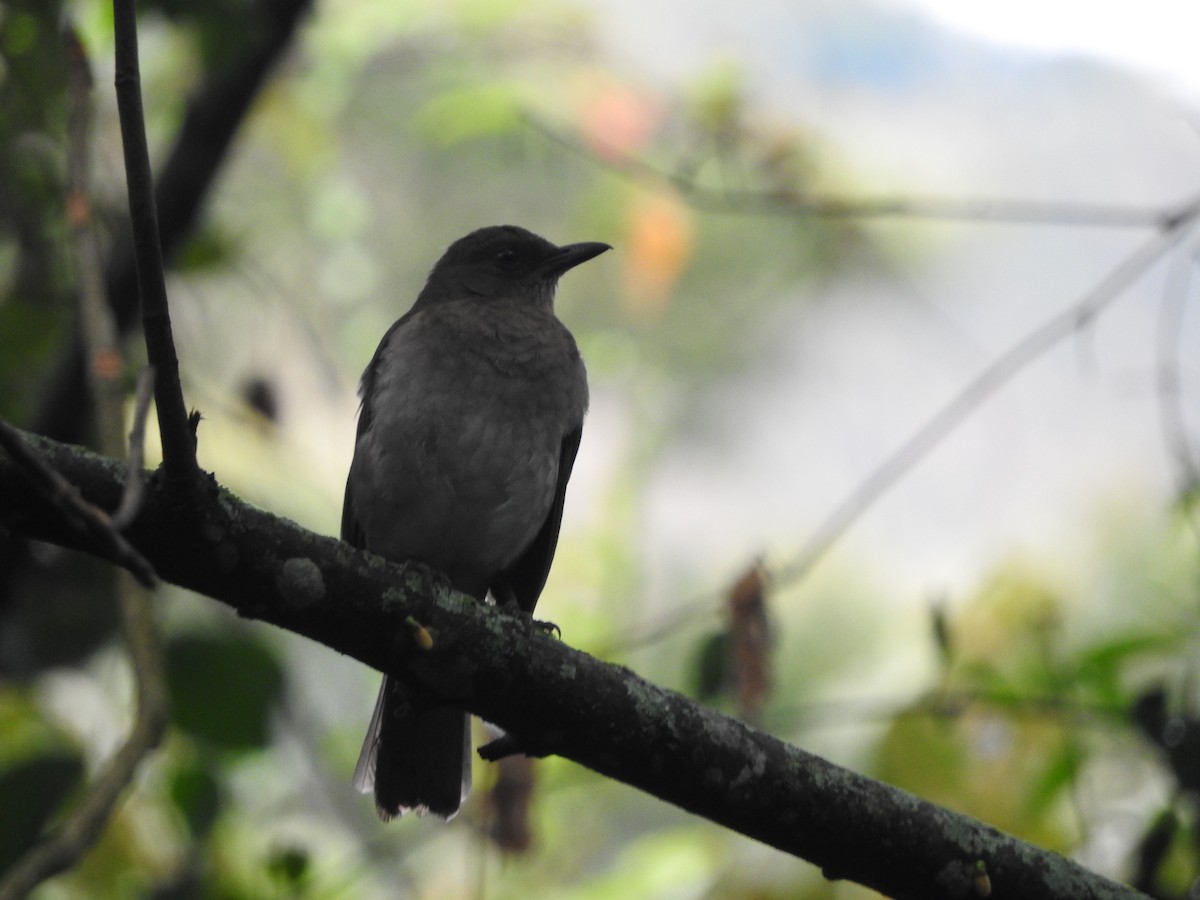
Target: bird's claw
x=546 y=627
x=506 y=600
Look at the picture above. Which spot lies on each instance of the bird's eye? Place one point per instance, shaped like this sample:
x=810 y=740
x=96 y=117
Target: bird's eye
x=507 y=258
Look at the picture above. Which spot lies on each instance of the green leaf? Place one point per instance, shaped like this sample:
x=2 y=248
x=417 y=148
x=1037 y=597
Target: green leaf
x=719 y=97
x=469 y=112
x=197 y=794
x=289 y=866
x=710 y=671
x=32 y=791
x=1100 y=670
x=223 y=689
x=1057 y=775
x=208 y=250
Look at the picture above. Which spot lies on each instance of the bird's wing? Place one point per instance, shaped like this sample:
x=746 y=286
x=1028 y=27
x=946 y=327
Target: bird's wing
x=526 y=577
x=352 y=532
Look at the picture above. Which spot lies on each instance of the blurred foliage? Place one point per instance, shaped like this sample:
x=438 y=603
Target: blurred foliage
x=58 y=611
x=208 y=25
x=33 y=790
x=39 y=770
x=196 y=791
x=223 y=689
x=35 y=268
x=737 y=661
x=1022 y=720
x=391 y=130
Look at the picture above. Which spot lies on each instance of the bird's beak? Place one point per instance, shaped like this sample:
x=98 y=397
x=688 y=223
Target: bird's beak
x=570 y=255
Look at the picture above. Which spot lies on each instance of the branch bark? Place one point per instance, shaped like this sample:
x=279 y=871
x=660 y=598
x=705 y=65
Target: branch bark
x=551 y=698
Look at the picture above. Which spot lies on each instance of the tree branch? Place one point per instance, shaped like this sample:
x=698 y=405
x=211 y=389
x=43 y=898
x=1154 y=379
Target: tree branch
x=178 y=442
x=798 y=203
x=554 y=699
x=102 y=538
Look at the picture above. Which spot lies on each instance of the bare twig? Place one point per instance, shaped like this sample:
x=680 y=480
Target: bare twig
x=178 y=441
x=1170 y=224
x=1170 y=330
x=98 y=330
x=952 y=703
x=81 y=514
x=135 y=480
x=1171 y=414
x=798 y=203
x=933 y=431
x=970 y=398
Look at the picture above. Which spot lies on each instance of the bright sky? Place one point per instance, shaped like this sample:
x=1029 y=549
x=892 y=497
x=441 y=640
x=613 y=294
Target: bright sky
x=1156 y=35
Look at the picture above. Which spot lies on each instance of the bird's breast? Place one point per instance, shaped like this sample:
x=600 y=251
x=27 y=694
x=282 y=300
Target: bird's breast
x=459 y=466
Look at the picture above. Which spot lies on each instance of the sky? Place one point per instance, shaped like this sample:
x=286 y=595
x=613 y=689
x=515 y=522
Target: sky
x=1158 y=36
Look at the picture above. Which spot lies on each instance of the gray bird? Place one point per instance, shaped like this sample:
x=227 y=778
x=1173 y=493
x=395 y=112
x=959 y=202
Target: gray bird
x=472 y=411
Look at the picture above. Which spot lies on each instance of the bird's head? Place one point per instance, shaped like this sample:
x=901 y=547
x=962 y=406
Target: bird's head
x=504 y=262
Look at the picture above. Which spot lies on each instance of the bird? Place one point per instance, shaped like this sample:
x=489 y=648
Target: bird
x=471 y=416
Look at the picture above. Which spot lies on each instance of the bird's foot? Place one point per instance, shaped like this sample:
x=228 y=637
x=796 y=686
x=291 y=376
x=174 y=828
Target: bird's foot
x=546 y=627
x=506 y=600
x=534 y=624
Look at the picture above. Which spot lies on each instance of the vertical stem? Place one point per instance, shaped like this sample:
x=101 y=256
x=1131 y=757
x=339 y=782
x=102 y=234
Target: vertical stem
x=178 y=441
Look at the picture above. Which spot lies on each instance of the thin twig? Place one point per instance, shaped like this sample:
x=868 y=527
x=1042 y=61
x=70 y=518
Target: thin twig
x=76 y=510
x=799 y=203
x=135 y=476
x=1169 y=223
x=178 y=441
x=105 y=364
x=1171 y=412
x=934 y=430
x=950 y=704
x=970 y=398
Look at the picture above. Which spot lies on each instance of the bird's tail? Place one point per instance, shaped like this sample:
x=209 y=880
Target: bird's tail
x=415 y=757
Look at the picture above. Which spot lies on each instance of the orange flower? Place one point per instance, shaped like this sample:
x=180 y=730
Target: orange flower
x=660 y=242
